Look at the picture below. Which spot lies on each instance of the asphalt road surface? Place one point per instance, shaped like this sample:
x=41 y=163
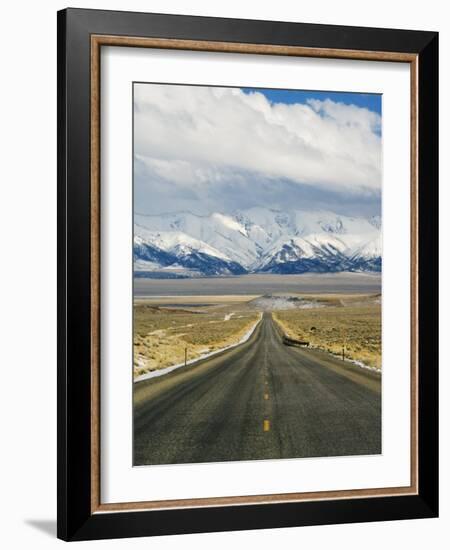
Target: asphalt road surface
x=261 y=400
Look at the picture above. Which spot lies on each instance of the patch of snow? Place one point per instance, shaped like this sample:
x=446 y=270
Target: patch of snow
x=229 y=222
x=176 y=241
x=145 y=265
x=141 y=360
x=273 y=303
x=370 y=249
x=364 y=366
x=359 y=364
x=159 y=332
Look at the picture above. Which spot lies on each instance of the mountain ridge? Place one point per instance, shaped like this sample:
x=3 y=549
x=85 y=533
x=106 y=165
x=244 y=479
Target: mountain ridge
x=256 y=240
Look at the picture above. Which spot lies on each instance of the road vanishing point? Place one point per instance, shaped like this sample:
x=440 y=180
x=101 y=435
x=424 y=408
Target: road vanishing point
x=260 y=400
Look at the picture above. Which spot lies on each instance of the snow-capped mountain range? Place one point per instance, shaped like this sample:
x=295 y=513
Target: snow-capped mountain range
x=257 y=240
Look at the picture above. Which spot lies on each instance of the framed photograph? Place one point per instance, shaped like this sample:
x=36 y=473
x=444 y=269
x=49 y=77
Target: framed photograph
x=247 y=274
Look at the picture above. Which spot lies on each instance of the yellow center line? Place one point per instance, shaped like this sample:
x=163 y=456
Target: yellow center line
x=266 y=425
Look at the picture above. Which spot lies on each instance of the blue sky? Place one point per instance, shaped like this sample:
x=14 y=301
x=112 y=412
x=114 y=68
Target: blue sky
x=372 y=102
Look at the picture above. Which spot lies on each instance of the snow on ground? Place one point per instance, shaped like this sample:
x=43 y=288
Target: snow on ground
x=175 y=241
x=229 y=222
x=359 y=364
x=141 y=360
x=273 y=303
x=160 y=332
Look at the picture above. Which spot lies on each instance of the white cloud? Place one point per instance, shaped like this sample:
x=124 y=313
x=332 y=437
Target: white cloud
x=201 y=138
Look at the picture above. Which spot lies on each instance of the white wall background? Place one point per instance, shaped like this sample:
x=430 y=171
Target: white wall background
x=28 y=271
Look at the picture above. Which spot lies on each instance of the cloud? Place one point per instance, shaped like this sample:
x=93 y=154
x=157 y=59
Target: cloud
x=222 y=146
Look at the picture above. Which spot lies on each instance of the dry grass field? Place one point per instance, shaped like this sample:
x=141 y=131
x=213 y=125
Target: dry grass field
x=167 y=328
x=162 y=335
x=352 y=322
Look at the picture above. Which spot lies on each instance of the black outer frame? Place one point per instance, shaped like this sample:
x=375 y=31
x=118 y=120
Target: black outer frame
x=75 y=521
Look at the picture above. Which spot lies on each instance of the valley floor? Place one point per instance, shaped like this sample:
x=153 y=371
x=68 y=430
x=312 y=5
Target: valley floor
x=173 y=330
x=260 y=284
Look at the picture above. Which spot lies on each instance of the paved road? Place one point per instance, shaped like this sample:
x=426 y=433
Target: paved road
x=262 y=400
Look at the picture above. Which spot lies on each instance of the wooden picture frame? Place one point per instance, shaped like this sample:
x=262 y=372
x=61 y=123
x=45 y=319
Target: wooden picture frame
x=81 y=35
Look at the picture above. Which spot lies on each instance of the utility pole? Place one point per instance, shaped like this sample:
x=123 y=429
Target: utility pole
x=343 y=352
x=185 y=356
